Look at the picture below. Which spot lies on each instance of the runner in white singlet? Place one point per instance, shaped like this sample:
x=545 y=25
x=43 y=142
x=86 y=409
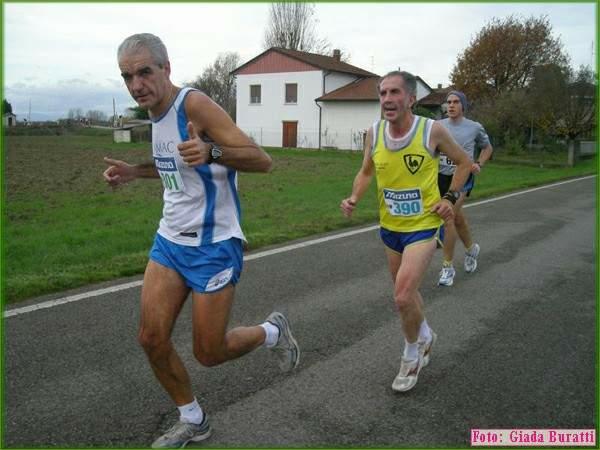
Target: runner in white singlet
x=197 y=151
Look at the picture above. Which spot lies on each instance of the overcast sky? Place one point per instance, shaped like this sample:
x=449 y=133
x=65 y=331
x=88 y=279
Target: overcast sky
x=60 y=56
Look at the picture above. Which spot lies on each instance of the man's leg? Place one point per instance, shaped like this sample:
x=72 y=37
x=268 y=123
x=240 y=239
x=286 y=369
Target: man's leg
x=450 y=235
x=471 y=248
x=213 y=344
x=414 y=263
x=410 y=269
x=163 y=295
x=462 y=227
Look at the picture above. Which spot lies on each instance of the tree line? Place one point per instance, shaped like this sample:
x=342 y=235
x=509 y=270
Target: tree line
x=522 y=85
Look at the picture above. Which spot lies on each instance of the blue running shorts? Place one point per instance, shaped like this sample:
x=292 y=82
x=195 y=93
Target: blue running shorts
x=206 y=268
x=398 y=241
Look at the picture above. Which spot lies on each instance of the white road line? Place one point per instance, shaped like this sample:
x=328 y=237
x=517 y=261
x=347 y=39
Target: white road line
x=71 y=298
x=286 y=248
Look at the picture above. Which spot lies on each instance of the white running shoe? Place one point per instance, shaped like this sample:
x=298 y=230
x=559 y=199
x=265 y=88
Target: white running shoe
x=471 y=258
x=425 y=348
x=408 y=375
x=447 y=276
x=287 y=349
x=181 y=433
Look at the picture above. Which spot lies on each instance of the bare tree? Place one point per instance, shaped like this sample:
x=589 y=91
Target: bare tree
x=95 y=115
x=218 y=83
x=75 y=113
x=292 y=26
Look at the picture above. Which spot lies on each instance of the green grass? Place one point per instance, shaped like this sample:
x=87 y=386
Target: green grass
x=65 y=228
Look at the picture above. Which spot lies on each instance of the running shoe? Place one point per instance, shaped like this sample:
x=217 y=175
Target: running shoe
x=409 y=372
x=425 y=348
x=286 y=349
x=181 y=433
x=471 y=258
x=447 y=276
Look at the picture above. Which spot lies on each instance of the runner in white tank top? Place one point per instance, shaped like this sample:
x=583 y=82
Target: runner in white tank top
x=201 y=204
x=198 y=245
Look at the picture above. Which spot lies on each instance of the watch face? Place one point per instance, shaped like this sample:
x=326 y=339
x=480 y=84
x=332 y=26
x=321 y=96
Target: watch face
x=215 y=152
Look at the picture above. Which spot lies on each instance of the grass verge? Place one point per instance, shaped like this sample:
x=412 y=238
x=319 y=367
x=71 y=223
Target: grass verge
x=65 y=228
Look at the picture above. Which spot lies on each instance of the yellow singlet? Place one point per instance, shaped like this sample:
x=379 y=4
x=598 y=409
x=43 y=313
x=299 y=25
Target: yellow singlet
x=406 y=180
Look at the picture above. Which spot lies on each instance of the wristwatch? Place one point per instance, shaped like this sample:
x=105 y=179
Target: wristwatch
x=452 y=196
x=214 y=154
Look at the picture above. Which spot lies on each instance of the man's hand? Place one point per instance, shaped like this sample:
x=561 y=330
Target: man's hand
x=347 y=206
x=444 y=209
x=119 y=172
x=194 y=151
x=475 y=168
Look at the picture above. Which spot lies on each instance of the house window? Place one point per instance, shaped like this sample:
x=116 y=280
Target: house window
x=291 y=93
x=255 y=94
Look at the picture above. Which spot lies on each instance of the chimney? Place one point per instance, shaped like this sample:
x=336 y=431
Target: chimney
x=337 y=55
x=439 y=85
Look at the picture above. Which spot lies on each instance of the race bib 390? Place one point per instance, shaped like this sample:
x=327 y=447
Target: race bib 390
x=406 y=202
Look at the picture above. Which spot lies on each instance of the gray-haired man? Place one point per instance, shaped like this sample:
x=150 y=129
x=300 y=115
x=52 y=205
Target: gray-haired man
x=198 y=245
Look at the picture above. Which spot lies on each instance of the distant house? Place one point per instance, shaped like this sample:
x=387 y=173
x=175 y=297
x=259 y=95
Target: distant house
x=133 y=131
x=435 y=101
x=281 y=100
x=289 y=98
x=9 y=120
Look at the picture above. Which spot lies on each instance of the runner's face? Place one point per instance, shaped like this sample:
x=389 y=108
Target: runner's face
x=147 y=82
x=395 y=101
x=455 y=108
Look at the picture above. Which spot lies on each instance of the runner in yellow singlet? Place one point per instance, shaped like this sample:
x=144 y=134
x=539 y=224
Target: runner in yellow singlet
x=402 y=152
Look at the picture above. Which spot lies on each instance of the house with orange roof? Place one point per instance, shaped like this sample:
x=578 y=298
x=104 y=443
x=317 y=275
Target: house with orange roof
x=290 y=98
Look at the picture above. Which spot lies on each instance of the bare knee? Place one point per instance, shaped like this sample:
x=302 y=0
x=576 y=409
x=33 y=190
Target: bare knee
x=403 y=297
x=459 y=219
x=209 y=357
x=155 y=345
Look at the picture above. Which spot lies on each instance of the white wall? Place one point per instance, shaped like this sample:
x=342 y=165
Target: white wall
x=422 y=91
x=335 y=80
x=343 y=122
x=264 y=122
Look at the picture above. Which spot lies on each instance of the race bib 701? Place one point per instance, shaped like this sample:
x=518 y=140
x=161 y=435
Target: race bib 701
x=406 y=202
x=169 y=174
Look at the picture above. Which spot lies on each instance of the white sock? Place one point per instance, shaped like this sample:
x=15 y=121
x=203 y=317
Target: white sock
x=272 y=334
x=411 y=351
x=191 y=413
x=424 y=332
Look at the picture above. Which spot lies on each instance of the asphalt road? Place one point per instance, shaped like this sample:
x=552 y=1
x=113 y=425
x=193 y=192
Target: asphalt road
x=516 y=346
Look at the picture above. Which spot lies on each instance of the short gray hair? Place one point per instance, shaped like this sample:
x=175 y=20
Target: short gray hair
x=145 y=40
x=410 y=81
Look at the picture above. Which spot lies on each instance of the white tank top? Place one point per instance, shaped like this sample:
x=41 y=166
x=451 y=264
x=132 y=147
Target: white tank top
x=201 y=204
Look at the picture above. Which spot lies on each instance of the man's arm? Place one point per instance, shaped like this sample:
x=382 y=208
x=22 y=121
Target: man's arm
x=484 y=156
x=120 y=172
x=362 y=180
x=483 y=142
x=206 y=117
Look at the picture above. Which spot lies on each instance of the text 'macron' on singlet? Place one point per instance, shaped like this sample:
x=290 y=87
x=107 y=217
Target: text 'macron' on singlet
x=406 y=173
x=201 y=204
